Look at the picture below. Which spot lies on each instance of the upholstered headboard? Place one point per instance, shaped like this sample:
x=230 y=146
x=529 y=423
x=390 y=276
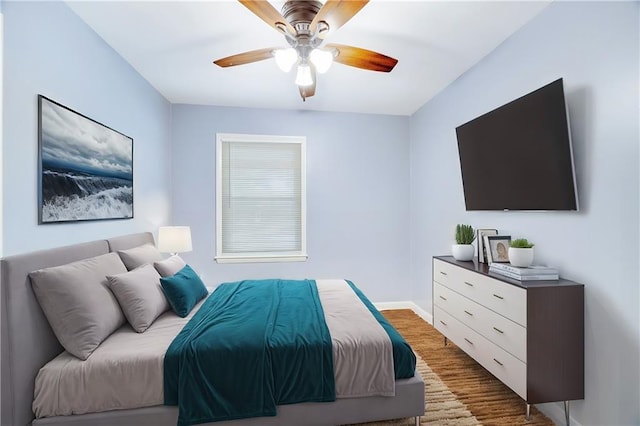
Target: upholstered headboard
x=27 y=339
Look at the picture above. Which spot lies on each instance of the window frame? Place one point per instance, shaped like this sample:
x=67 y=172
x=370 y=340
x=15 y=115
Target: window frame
x=259 y=257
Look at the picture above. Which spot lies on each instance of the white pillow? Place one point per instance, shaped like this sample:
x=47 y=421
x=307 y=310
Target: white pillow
x=140 y=296
x=138 y=256
x=77 y=302
x=169 y=266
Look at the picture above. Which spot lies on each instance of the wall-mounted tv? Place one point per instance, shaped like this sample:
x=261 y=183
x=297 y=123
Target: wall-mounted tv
x=519 y=156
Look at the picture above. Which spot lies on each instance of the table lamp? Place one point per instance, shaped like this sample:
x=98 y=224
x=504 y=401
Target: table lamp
x=174 y=239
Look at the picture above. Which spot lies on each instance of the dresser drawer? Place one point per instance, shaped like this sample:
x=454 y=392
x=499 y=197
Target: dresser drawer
x=445 y=273
x=508 y=300
x=458 y=279
x=507 y=368
x=505 y=333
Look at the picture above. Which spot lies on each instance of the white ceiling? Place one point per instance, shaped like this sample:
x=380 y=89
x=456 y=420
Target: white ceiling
x=172 y=45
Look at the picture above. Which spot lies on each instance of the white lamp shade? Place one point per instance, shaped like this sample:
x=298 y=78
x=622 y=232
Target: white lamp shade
x=174 y=239
x=322 y=59
x=285 y=58
x=303 y=78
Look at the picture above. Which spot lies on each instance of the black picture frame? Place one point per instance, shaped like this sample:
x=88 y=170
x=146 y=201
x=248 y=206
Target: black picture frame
x=481 y=250
x=85 y=169
x=498 y=248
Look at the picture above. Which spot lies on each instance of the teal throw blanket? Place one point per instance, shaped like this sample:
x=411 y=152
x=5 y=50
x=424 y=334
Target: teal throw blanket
x=251 y=346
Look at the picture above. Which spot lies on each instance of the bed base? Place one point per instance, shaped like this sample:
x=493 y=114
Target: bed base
x=28 y=343
x=408 y=402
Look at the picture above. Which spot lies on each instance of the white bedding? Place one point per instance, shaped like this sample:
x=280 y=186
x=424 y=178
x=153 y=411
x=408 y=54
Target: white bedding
x=362 y=350
x=126 y=370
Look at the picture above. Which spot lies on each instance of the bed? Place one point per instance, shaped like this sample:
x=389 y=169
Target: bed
x=28 y=343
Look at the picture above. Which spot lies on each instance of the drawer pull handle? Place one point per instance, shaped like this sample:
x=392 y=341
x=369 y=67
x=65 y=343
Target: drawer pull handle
x=442 y=297
x=468 y=341
x=468 y=313
x=498 y=362
x=498 y=330
x=468 y=283
x=499 y=297
x=443 y=273
x=442 y=322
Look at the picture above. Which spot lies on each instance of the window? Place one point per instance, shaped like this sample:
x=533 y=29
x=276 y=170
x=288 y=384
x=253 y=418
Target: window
x=260 y=198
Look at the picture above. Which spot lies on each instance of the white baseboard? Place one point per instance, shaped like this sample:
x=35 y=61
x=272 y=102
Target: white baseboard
x=406 y=305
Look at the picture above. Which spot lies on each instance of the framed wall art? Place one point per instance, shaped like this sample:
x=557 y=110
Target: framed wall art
x=85 y=167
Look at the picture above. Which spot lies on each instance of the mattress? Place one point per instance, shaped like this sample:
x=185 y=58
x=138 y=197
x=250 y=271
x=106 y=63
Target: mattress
x=126 y=370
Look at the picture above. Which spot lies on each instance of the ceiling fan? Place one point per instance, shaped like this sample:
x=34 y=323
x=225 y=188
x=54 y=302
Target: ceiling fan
x=305 y=24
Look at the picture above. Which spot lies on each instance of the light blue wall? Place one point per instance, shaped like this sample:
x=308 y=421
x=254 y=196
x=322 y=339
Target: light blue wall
x=357 y=194
x=48 y=50
x=595 y=47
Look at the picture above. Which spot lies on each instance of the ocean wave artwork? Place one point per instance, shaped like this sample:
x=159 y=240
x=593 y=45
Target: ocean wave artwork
x=86 y=167
x=73 y=196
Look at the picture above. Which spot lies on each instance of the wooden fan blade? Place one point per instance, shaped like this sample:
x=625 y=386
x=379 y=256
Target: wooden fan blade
x=336 y=13
x=245 y=58
x=263 y=10
x=308 y=91
x=363 y=58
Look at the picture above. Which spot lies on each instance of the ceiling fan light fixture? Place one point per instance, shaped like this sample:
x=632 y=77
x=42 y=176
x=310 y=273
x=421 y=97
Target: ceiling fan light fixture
x=285 y=58
x=303 y=77
x=305 y=24
x=322 y=59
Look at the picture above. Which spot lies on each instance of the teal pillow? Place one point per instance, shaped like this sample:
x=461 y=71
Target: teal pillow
x=183 y=290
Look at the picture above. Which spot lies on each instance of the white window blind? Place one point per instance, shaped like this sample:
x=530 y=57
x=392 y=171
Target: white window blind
x=260 y=198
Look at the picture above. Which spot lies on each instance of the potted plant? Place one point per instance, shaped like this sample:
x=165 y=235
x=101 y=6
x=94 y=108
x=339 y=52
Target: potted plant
x=521 y=252
x=463 y=250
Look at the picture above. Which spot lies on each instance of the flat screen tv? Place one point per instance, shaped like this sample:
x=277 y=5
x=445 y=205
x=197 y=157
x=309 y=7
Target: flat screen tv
x=519 y=156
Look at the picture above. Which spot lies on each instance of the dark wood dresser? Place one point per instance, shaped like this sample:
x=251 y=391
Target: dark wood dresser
x=529 y=334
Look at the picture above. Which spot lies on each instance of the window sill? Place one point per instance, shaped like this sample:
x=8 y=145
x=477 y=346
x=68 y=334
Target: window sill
x=261 y=258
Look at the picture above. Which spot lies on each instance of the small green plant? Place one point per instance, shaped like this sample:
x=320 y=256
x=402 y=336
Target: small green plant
x=464 y=234
x=521 y=243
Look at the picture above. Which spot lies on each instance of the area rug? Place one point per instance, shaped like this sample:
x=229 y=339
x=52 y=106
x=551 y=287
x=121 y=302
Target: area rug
x=458 y=391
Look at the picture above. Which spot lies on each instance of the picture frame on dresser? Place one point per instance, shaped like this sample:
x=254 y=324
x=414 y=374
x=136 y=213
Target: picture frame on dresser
x=498 y=248
x=480 y=234
x=488 y=259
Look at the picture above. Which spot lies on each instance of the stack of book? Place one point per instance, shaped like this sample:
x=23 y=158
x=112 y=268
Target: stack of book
x=532 y=273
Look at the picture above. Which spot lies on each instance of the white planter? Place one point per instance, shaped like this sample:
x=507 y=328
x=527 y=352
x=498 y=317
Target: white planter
x=463 y=252
x=522 y=257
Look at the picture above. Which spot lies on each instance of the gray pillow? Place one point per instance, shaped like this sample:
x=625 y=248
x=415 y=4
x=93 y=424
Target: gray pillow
x=77 y=302
x=169 y=266
x=140 y=296
x=138 y=256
